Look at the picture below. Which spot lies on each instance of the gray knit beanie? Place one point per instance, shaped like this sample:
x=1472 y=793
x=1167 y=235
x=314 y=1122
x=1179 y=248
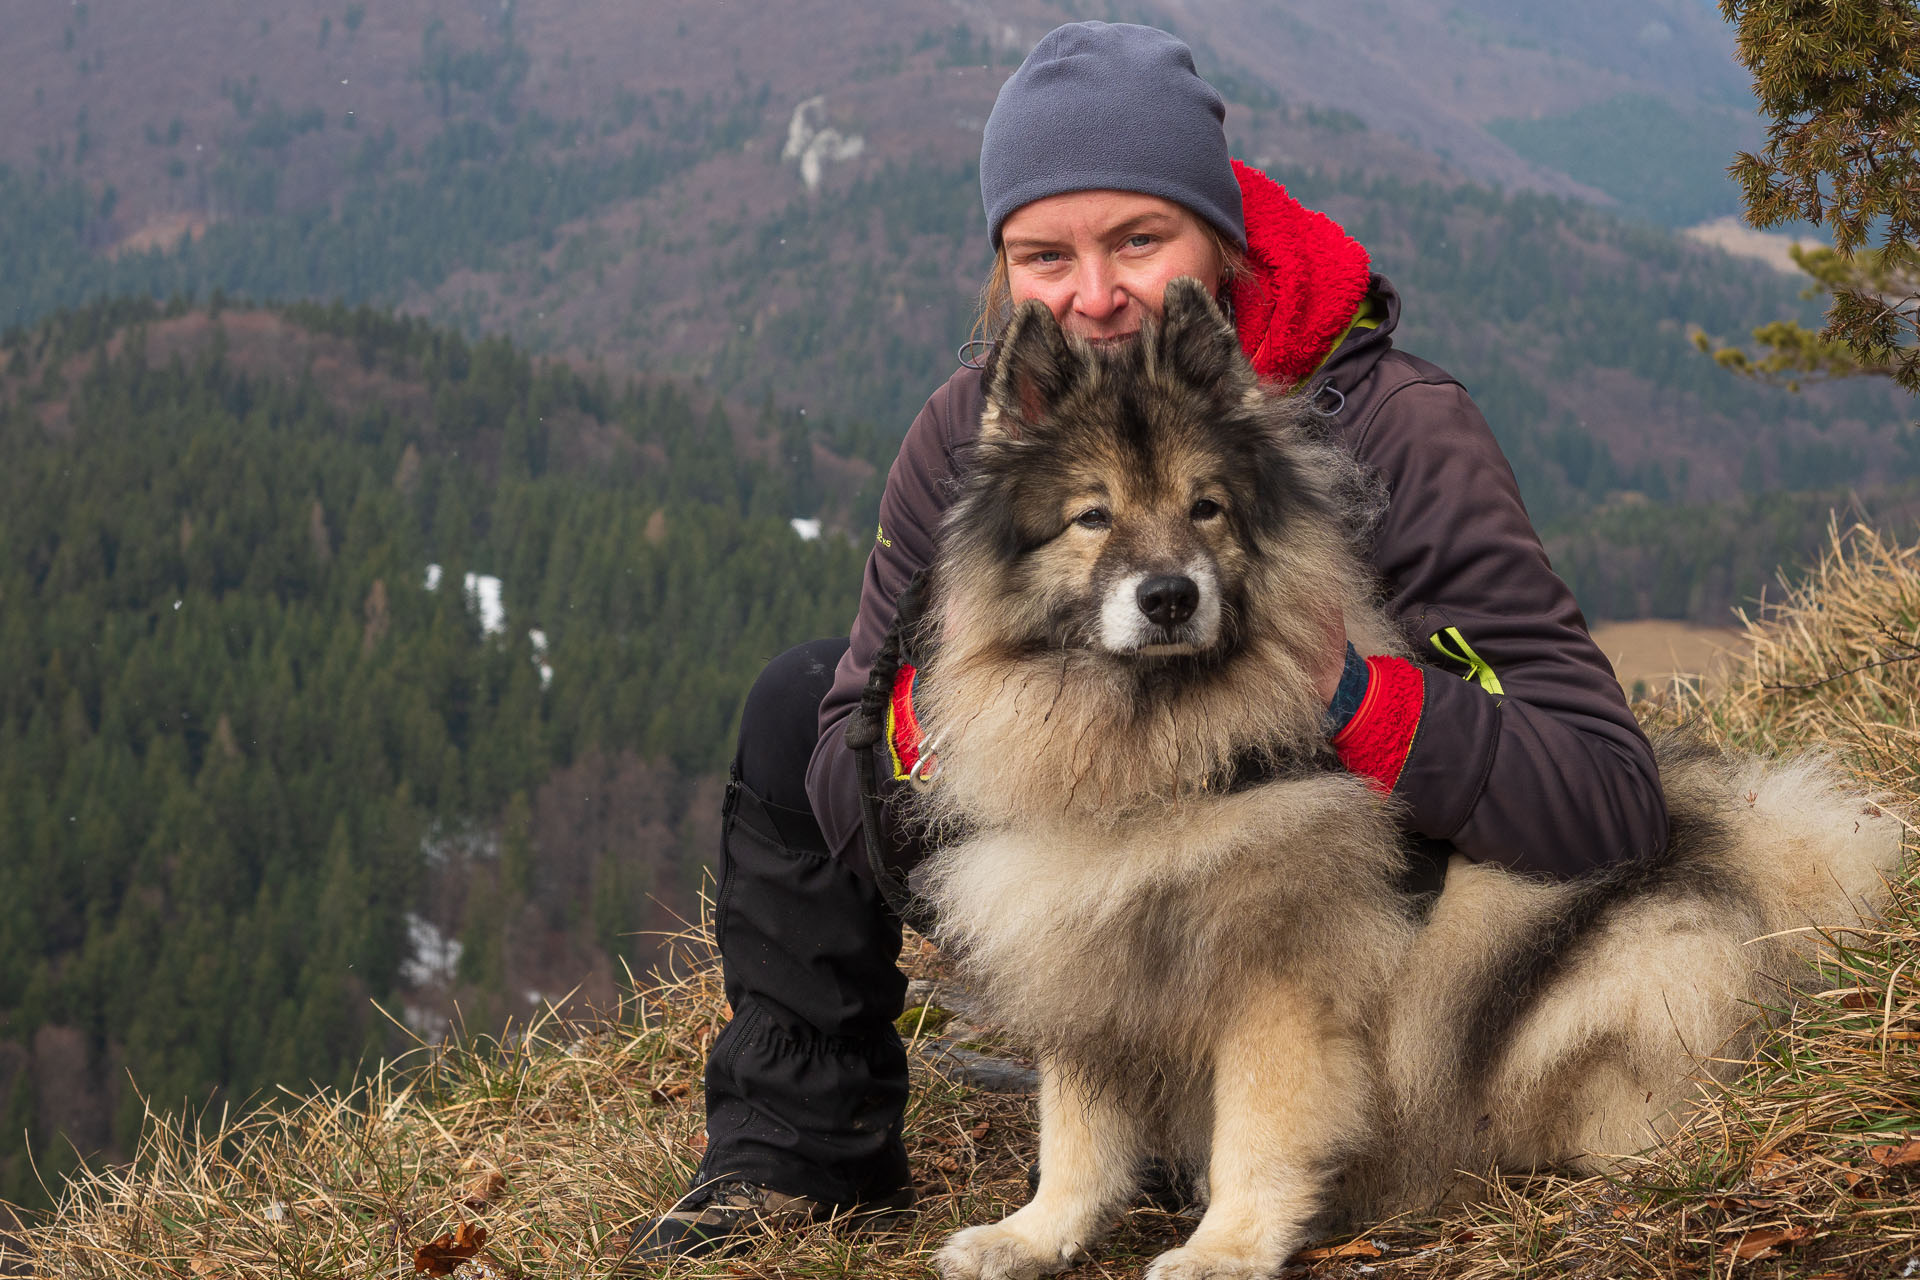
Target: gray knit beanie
x=1109 y=106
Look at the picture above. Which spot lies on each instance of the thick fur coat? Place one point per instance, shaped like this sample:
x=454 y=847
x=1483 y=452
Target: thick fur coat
x=1149 y=551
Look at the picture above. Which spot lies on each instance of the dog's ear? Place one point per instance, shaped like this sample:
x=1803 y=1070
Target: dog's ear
x=1033 y=368
x=1197 y=342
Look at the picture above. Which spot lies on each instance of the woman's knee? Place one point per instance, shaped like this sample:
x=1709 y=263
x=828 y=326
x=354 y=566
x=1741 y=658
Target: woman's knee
x=780 y=721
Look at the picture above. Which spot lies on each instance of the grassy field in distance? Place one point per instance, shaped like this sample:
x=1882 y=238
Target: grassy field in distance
x=1651 y=651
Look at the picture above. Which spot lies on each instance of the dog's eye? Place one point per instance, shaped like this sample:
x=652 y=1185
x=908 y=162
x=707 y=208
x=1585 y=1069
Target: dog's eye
x=1205 y=509
x=1094 y=518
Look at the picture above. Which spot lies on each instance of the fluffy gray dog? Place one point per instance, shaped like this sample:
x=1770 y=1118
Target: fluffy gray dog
x=1230 y=975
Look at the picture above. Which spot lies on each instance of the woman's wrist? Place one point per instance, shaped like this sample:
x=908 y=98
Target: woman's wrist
x=1349 y=694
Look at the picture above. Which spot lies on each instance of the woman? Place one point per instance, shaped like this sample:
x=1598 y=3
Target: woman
x=1104 y=174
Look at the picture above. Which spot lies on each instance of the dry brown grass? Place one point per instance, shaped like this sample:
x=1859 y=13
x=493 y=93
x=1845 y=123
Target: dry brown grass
x=559 y=1137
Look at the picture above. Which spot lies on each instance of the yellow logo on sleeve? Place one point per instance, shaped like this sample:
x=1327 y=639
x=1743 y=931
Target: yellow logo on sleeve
x=880 y=536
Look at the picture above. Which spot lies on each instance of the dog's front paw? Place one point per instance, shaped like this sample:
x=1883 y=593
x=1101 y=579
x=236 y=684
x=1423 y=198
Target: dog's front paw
x=1189 y=1263
x=1001 y=1252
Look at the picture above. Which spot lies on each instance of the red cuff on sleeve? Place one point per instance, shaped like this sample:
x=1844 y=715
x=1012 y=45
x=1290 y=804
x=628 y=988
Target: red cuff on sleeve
x=903 y=727
x=1375 y=742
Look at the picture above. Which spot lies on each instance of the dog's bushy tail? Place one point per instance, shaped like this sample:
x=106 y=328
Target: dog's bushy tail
x=1563 y=1024
x=1811 y=852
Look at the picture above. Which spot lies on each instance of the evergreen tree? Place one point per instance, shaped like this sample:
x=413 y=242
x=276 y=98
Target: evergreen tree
x=1839 y=82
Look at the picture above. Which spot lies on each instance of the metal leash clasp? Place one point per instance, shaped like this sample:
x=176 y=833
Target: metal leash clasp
x=927 y=767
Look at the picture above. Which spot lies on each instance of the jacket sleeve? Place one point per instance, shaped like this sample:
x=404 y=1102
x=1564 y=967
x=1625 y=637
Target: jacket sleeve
x=917 y=491
x=1520 y=747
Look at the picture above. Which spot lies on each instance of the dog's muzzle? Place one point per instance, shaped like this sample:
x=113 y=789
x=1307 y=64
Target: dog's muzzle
x=1157 y=615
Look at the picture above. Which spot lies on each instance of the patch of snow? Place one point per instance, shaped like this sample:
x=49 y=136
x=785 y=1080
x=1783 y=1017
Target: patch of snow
x=483 y=597
x=435 y=958
x=538 y=640
x=483 y=594
x=814 y=144
x=807 y=529
x=1913 y=1266
x=467 y=841
x=276 y=1211
x=533 y=997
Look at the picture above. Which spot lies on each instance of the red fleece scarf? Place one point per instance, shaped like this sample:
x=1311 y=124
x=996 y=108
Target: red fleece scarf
x=1309 y=277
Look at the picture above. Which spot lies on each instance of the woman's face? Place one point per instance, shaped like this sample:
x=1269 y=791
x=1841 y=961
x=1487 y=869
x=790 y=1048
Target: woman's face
x=1101 y=260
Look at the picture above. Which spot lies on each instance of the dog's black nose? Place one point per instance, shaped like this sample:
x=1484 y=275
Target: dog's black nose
x=1169 y=599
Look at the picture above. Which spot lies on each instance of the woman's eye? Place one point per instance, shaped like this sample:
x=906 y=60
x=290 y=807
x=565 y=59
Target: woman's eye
x=1093 y=518
x=1139 y=241
x=1205 y=509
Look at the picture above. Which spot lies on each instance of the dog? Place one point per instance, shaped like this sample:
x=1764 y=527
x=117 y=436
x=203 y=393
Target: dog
x=1147 y=547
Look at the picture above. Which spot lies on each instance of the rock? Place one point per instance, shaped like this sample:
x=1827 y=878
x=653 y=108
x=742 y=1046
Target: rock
x=979 y=1070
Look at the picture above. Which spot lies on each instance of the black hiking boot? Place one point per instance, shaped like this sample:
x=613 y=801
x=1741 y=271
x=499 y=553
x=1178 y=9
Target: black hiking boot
x=729 y=1217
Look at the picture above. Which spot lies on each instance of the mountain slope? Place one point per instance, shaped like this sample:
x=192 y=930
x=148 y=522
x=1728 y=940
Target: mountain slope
x=782 y=202
x=346 y=661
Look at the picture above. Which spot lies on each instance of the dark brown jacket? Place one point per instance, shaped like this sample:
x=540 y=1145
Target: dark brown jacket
x=1549 y=777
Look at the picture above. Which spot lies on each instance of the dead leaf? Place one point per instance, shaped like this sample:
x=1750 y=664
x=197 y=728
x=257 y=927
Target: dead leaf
x=1856 y=1000
x=1352 y=1249
x=979 y=1131
x=698 y=1141
x=441 y=1255
x=1771 y=1165
x=947 y=1164
x=483 y=1187
x=1896 y=1157
x=203 y=1264
x=1763 y=1243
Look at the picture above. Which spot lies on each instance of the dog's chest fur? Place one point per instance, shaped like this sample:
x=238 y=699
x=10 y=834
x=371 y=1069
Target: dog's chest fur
x=1123 y=946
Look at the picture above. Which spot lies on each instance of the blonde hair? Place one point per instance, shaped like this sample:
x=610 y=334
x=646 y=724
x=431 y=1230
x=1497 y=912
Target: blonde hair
x=995 y=307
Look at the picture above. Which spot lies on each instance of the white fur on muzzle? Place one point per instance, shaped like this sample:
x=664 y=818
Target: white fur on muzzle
x=1126 y=630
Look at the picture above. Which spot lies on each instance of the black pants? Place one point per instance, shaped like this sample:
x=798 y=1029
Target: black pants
x=807 y=1084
